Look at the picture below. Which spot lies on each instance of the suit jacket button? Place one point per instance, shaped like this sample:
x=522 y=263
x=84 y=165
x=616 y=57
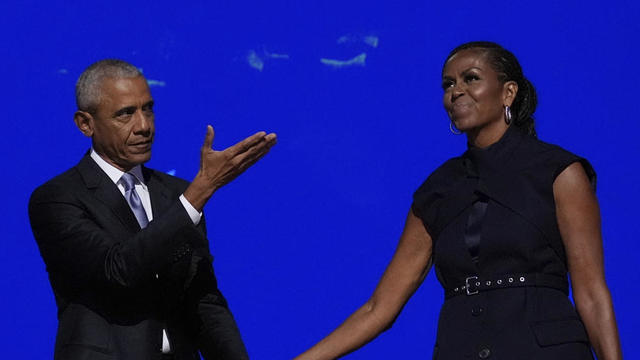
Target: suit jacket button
x=477 y=311
x=484 y=353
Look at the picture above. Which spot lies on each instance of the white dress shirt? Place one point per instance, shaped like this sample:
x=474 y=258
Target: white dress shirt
x=143 y=192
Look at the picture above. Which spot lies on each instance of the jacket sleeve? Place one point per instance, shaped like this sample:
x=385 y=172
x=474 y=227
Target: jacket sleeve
x=217 y=334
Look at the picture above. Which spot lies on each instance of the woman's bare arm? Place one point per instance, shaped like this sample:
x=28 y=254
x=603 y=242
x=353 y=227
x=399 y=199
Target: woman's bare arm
x=407 y=270
x=579 y=222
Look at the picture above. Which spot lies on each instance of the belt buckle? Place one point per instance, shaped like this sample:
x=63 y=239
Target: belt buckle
x=468 y=285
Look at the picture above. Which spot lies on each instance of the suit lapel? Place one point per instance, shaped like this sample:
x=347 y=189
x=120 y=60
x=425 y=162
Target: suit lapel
x=161 y=196
x=107 y=192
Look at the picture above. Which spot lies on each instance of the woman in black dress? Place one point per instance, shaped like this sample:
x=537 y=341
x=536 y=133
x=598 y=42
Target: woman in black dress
x=503 y=224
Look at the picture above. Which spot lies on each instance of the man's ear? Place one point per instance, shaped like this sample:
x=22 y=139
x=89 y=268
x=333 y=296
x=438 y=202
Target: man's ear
x=510 y=92
x=84 y=122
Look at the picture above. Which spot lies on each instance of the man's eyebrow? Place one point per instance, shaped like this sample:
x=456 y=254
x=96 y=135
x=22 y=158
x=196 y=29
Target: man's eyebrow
x=125 y=110
x=149 y=103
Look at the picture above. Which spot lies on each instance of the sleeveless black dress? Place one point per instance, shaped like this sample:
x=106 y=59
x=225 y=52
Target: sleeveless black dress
x=498 y=253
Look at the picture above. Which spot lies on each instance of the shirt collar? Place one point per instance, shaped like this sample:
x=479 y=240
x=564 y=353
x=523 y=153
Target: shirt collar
x=114 y=173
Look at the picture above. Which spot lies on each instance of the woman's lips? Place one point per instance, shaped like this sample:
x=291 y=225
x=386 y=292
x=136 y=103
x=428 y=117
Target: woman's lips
x=460 y=108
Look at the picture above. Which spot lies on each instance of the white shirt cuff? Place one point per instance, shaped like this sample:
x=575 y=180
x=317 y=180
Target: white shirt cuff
x=194 y=214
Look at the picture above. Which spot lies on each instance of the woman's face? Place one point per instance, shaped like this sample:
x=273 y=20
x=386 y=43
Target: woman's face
x=474 y=97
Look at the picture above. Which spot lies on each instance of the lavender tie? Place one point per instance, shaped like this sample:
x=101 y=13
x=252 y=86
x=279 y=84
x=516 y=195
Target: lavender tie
x=130 y=193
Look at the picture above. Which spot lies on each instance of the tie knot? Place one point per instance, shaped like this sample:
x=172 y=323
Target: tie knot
x=128 y=181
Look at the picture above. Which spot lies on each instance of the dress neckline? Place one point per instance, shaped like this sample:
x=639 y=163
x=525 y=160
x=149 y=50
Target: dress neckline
x=496 y=155
x=504 y=140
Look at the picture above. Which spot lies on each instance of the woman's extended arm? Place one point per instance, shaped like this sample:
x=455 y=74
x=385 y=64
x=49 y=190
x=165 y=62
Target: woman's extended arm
x=579 y=222
x=405 y=273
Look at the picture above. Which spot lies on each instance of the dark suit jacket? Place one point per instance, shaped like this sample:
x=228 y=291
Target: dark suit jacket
x=117 y=286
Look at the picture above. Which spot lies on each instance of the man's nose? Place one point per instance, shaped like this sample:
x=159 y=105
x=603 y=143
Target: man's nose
x=142 y=122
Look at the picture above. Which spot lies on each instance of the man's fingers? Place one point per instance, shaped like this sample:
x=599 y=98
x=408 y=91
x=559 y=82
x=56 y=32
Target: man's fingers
x=226 y=167
x=246 y=160
x=245 y=144
x=256 y=152
x=262 y=147
x=208 y=138
x=271 y=138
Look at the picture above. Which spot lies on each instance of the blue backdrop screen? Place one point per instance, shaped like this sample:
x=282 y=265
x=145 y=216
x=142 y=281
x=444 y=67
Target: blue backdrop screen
x=353 y=91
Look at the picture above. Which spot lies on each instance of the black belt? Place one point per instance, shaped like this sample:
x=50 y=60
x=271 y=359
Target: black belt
x=475 y=284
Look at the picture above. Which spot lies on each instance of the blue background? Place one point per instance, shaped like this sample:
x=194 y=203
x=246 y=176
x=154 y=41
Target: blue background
x=302 y=238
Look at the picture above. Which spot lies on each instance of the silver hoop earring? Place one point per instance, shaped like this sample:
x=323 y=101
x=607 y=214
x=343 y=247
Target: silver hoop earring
x=507 y=114
x=453 y=129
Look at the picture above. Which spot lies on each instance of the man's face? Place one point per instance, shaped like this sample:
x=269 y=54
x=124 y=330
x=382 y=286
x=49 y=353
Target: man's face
x=122 y=126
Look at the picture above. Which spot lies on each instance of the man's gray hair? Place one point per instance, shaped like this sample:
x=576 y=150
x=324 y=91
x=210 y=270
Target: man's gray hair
x=89 y=85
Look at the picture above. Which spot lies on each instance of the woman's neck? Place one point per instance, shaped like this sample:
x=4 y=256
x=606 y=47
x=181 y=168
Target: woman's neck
x=486 y=136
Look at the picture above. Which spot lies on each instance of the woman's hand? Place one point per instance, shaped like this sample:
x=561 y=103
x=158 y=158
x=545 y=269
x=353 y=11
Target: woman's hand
x=408 y=268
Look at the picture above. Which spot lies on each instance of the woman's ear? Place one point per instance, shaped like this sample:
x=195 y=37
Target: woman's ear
x=510 y=90
x=84 y=122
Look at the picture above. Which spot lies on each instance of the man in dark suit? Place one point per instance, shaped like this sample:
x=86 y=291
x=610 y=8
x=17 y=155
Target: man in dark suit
x=125 y=246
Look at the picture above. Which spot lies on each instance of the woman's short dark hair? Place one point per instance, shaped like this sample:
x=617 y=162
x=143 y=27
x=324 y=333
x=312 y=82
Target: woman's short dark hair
x=508 y=68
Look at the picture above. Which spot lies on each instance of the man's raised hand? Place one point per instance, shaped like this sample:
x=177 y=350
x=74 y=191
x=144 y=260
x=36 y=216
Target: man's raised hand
x=218 y=168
